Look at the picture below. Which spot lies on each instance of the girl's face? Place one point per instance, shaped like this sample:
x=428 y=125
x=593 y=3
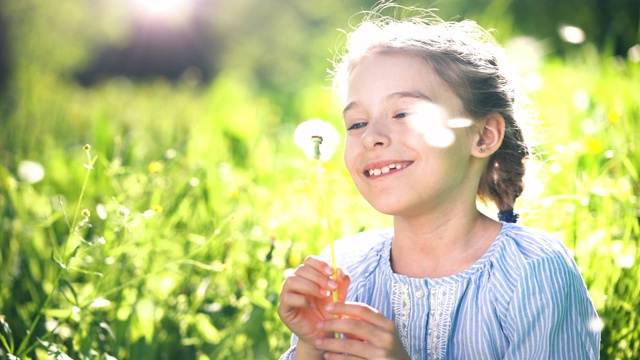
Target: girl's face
x=408 y=146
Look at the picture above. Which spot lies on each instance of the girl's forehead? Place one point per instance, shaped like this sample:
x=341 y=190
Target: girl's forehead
x=389 y=71
x=382 y=79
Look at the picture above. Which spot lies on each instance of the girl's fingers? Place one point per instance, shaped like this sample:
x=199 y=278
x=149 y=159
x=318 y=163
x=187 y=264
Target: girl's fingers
x=342 y=356
x=316 y=271
x=305 y=286
x=293 y=300
x=348 y=349
x=320 y=265
x=353 y=328
x=361 y=311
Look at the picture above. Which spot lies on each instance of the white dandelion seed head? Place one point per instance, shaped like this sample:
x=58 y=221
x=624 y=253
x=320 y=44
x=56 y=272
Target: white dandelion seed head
x=633 y=54
x=307 y=130
x=572 y=34
x=100 y=303
x=625 y=261
x=124 y=211
x=101 y=211
x=581 y=99
x=30 y=171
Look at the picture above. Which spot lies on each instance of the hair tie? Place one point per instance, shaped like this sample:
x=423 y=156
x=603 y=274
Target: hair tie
x=508 y=216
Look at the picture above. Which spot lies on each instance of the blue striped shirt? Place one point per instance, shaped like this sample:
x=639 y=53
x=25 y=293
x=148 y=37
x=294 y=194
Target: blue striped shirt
x=523 y=299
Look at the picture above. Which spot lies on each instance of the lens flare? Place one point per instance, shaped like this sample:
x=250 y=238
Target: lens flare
x=159 y=7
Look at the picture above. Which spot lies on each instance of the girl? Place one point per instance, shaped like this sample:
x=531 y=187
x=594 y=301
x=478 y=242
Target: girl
x=432 y=125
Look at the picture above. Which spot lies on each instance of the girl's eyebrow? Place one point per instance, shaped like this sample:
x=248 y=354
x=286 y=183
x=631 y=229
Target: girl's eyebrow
x=415 y=94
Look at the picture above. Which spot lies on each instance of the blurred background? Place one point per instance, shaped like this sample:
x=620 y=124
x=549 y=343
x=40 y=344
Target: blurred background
x=167 y=237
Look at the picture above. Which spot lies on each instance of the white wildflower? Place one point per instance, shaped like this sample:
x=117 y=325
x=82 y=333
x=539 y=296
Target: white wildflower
x=30 y=171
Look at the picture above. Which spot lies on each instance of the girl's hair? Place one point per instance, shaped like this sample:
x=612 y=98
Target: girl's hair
x=470 y=61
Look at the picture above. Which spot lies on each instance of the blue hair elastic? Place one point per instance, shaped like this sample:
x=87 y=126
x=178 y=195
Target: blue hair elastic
x=508 y=216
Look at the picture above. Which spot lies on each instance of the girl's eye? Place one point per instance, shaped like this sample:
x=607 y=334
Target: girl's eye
x=357 y=125
x=401 y=115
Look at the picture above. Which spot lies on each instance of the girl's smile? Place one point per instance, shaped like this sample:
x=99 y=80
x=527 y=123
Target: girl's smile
x=382 y=168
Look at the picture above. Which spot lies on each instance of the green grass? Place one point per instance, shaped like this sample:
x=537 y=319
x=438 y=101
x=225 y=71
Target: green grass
x=199 y=201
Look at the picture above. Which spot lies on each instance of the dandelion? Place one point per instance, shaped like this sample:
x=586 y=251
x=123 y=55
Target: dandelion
x=593 y=145
x=101 y=211
x=155 y=167
x=326 y=139
x=625 y=261
x=85 y=213
x=613 y=116
x=634 y=53
x=318 y=140
x=148 y=213
x=155 y=209
x=87 y=150
x=124 y=211
x=572 y=34
x=30 y=172
x=100 y=303
x=581 y=99
x=170 y=154
x=10 y=183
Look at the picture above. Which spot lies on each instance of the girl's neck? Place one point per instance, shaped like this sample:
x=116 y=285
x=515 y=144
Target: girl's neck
x=441 y=245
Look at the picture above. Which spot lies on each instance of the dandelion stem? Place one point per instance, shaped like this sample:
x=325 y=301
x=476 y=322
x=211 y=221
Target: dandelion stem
x=317 y=140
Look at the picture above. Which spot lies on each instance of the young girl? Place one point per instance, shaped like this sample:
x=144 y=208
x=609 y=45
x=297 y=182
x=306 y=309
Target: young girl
x=432 y=125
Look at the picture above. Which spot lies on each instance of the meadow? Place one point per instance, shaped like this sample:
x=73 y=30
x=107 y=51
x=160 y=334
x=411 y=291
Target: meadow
x=155 y=219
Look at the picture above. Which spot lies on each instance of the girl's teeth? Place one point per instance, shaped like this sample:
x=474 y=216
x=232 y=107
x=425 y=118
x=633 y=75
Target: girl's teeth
x=385 y=169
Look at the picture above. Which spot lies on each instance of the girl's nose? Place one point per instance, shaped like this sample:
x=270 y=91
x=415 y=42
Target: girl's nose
x=376 y=135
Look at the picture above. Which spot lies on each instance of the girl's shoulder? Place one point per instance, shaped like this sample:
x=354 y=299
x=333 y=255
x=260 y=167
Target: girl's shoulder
x=528 y=244
x=524 y=255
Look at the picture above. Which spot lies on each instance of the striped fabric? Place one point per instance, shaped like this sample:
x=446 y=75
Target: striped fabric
x=524 y=299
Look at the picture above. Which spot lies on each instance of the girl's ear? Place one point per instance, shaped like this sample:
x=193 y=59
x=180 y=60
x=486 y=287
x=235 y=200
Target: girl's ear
x=490 y=133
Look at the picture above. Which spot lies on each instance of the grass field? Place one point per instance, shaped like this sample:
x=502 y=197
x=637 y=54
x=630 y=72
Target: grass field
x=168 y=236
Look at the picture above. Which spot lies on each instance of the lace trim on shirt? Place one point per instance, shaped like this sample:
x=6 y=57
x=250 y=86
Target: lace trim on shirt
x=442 y=303
x=401 y=305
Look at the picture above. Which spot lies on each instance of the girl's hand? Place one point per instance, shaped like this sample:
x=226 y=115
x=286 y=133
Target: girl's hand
x=305 y=294
x=369 y=334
